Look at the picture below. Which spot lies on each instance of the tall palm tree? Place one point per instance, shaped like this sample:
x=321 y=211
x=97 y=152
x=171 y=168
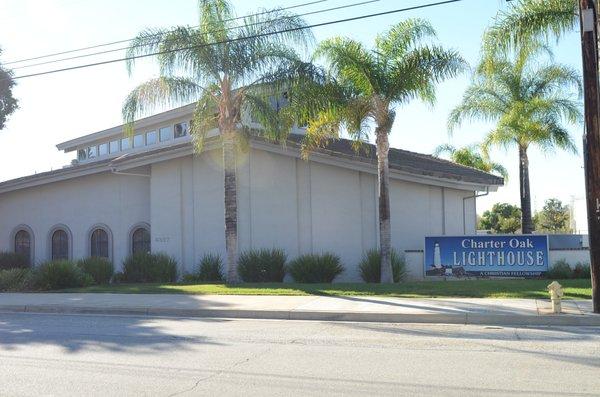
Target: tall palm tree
x=528 y=101
x=363 y=88
x=472 y=156
x=228 y=66
x=533 y=19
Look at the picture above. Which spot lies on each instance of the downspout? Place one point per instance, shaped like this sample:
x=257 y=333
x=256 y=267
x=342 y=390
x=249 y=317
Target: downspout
x=475 y=196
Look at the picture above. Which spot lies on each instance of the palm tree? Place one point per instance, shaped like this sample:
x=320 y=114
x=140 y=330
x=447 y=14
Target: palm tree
x=363 y=87
x=229 y=67
x=472 y=156
x=533 y=19
x=528 y=101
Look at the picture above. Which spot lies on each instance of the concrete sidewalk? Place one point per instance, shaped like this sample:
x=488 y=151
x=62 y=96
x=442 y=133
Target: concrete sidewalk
x=342 y=308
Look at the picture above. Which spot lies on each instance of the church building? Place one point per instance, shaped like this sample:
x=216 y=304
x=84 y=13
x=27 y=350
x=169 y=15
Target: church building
x=151 y=192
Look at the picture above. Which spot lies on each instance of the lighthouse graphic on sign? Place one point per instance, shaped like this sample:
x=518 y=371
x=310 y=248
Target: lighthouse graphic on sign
x=437 y=256
x=436 y=268
x=439 y=269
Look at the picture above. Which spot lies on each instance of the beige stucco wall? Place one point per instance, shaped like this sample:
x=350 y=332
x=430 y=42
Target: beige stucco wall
x=300 y=206
x=283 y=202
x=117 y=201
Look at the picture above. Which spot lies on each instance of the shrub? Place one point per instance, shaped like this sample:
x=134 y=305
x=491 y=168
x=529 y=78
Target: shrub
x=100 y=269
x=315 y=268
x=60 y=274
x=118 y=277
x=209 y=270
x=149 y=268
x=370 y=266
x=264 y=265
x=582 y=270
x=14 y=280
x=11 y=260
x=560 y=270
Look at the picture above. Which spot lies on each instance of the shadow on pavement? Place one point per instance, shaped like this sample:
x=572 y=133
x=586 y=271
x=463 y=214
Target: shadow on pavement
x=96 y=332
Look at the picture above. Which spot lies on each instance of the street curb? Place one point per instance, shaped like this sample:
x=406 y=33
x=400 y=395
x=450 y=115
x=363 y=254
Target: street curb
x=380 y=317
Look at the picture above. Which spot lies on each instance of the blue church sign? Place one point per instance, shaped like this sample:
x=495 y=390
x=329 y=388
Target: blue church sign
x=486 y=256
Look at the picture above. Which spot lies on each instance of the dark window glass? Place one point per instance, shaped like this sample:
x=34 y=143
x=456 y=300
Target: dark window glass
x=23 y=244
x=181 y=129
x=60 y=245
x=140 y=241
x=99 y=243
x=82 y=154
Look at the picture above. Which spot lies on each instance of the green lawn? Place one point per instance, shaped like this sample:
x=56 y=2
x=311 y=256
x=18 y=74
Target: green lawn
x=574 y=289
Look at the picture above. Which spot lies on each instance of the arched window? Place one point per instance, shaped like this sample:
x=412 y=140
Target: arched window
x=99 y=243
x=140 y=240
x=60 y=245
x=23 y=244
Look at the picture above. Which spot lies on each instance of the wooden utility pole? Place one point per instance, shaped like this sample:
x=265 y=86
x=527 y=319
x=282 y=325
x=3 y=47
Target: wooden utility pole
x=591 y=140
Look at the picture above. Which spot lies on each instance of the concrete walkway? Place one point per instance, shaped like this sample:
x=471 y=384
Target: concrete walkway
x=343 y=308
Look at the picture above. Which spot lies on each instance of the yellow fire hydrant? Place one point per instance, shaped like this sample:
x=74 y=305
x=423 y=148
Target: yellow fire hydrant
x=556 y=294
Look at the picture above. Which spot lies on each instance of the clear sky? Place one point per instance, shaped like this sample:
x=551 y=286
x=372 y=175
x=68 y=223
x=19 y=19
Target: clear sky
x=58 y=107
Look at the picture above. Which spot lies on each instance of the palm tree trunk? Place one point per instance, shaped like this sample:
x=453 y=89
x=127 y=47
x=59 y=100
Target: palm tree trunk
x=526 y=223
x=383 y=169
x=230 y=189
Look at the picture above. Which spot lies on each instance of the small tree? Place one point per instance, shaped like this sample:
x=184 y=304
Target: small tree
x=502 y=218
x=553 y=218
x=8 y=103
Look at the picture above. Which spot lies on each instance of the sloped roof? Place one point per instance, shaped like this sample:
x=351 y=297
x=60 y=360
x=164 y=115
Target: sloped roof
x=407 y=161
x=401 y=160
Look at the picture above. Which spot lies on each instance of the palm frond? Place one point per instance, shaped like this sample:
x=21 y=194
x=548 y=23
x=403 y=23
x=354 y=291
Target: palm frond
x=320 y=130
x=445 y=148
x=500 y=136
x=159 y=92
x=206 y=117
x=402 y=37
x=480 y=102
x=416 y=73
x=352 y=63
x=531 y=19
x=146 y=42
x=274 y=123
x=216 y=16
x=555 y=77
x=276 y=26
x=185 y=51
x=499 y=169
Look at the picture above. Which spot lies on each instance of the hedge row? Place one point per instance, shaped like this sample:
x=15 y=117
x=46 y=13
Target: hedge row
x=60 y=274
x=562 y=270
x=270 y=265
x=254 y=266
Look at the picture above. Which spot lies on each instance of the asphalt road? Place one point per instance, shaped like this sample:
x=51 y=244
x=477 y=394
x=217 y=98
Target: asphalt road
x=65 y=355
